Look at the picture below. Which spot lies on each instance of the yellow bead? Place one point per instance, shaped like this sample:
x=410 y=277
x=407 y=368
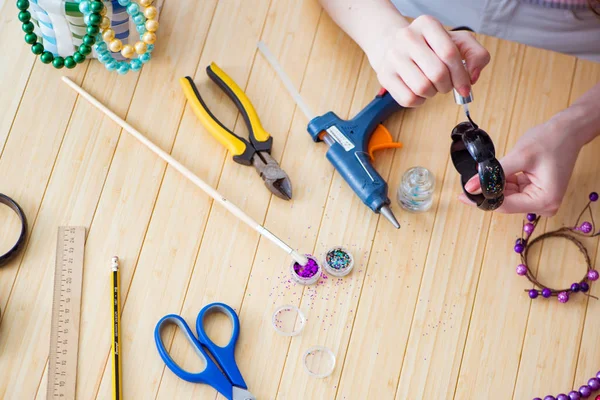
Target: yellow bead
x=141 y=47
x=105 y=24
x=152 y=25
x=149 y=38
x=108 y=35
x=103 y=11
x=127 y=51
x=146 y=3
x=150 y=12
x=115 y=45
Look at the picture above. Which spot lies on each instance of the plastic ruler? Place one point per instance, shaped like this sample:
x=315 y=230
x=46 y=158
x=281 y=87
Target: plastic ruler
x=66 y=310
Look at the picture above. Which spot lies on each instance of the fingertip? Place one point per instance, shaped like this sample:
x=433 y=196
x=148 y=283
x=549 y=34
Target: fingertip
x=464 y=91
x=475 y=75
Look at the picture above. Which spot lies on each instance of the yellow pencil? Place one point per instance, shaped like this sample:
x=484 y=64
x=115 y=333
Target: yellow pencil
x=116 y=343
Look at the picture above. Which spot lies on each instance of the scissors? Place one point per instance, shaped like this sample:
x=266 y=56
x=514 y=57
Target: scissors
x=222 y=374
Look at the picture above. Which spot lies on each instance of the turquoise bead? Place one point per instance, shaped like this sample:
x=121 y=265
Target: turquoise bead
x=70 y=62
x=23 y=5
x=123 y=68
x=28 y=27
x=24 y=16
x=86 y=19
x=149 y=48
x=84 y=7
x=37 y=49
x=144 y=58
x=136 y=65
x=46 y=57
x=133 y=9
x=139 y=19
x=112 y=65
x=141 y=29
x=104 y=58
x=101 y=46
x=58 y=62
x=124 y=3
x=30 y=38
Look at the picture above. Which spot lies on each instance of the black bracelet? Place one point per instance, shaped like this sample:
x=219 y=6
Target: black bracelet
x=5 y=258
x=473 y=153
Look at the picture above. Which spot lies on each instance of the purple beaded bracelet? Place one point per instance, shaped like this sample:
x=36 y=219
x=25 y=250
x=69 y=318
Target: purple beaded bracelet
x=524 y=244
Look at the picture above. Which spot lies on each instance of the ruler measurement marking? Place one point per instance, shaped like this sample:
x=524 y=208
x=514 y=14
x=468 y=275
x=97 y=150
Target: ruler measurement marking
x=66 y=308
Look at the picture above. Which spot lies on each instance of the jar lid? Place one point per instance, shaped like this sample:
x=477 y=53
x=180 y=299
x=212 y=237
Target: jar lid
x=288 y=320
x=319 y=362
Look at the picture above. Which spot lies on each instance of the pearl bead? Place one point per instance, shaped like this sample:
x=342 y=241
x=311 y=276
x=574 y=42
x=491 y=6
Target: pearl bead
x=593 y=275
x=585 y=391
x=563 y=297
x=115 y=45
x=149 y=38
x=575 y=287
x=533 y=294
x=549 y=397
x=531 y=217
x=594 y=383
x=546 y=293
x=152 y=25
x=594 y=196
x=127 y=51
x=146 y=3
x=562 y=396
x=105 y=23
x=140 y=47
x=574 y=395
x=521 y=269
x=103 y=12
x=108 y=35
x=150 y=12
x=519 y=248
x=586 y=227
x=529 y=228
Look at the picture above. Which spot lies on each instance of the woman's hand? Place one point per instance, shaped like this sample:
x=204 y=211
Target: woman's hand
x=537 y=169
x=417 y=61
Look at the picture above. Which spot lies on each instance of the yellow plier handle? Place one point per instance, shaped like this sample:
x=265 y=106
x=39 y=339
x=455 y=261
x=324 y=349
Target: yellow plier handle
x=243 y=150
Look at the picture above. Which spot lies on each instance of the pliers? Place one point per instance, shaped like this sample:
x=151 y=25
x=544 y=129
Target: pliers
x=257 y=150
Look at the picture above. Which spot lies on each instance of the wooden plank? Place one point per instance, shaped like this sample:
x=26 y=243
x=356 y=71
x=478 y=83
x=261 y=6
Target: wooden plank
x=129 y=195
x=227 y=251
x=554 y=331
x=587 y=75
x=71 y=198
x=15 y=70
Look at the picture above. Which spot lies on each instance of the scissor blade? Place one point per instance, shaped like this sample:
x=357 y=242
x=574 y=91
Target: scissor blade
x=274 y=177
x=242 y=394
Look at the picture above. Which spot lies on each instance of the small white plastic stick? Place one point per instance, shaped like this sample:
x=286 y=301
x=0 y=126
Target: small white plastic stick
x=299 y=258
x=286 y=80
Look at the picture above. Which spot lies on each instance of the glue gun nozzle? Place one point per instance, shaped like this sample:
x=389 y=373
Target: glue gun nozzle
x=389 y=215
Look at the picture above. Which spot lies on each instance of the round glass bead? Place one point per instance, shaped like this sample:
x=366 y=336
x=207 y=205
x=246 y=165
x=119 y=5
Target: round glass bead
x=594 y=383
x=78 y=57
x=586 y=227
x=96 y=6
x=141 y=29
x=533 y=294
x=133 y=9
x=84 y=49
x=70 y=62
x=92 y=30
x=124 y=3
x=22 y=4
x=574 y=395
x=546 y=293
x=593 y=275
x=585 y=391
x=30 y=38
x=584 y=287
x=531 y=217
x=593 y=196
x=123 y=68
x=58 y=62
x=24 y=16
x=519 y=248
x=28 y=27
x=529 y=228
x=521 y=269
x=575 y=287
x=598 y=375
x=563 y=297
x=562 y=396
x=549 y=397
x=84 y=7
x=46 y=57
x=37 y=49
x=139 y=19
x=112 y=65
x=136 y=65
x=537 y=398
x=95 y=19
x=89 y=40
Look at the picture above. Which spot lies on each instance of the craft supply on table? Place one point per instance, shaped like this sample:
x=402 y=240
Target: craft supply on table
x=307 y=274
x=220 y=368
x=22 y=237
x=257 y=150
x=352 y=143
x=116 y=331
x=288 y=320
x=299 y=258
x=462 y=100
x=319 y=362
x=338 y=261
x=65 y=313
x=525 y=243
x=473 y=154
x=415 y=192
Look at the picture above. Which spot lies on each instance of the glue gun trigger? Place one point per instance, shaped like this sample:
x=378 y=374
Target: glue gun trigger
x=381 y=139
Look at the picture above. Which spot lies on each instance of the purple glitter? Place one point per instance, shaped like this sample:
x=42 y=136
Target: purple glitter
x=307 y=271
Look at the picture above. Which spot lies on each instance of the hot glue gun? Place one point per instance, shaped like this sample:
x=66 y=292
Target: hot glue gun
x=352 y=142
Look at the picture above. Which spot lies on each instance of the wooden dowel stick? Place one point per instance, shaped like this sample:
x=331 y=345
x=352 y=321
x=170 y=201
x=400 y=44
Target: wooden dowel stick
x=299 y=258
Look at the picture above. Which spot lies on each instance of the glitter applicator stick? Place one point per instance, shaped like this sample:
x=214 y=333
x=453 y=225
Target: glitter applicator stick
x=235 y=210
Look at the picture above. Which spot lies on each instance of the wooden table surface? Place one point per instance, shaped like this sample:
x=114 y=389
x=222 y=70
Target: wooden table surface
x=432 y=311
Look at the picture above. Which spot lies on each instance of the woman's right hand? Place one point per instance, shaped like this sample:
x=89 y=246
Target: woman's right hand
x=422 y=59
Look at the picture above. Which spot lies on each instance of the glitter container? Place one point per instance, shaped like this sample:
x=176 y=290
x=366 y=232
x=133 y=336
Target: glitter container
x=308 y=274
x=319 y=362
x=288 y=320
x=338 y=261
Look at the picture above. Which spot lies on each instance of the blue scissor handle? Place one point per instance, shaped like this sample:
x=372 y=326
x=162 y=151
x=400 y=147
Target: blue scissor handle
x=211 y=375
x=225 y=356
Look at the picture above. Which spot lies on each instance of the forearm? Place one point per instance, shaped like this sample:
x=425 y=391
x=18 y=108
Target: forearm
x=366 y=22
x=581 y=121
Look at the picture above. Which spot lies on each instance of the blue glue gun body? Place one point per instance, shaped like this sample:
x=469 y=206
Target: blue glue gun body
x=348 y=142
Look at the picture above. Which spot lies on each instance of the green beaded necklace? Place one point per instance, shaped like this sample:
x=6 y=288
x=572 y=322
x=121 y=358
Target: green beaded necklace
x=93 y=27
